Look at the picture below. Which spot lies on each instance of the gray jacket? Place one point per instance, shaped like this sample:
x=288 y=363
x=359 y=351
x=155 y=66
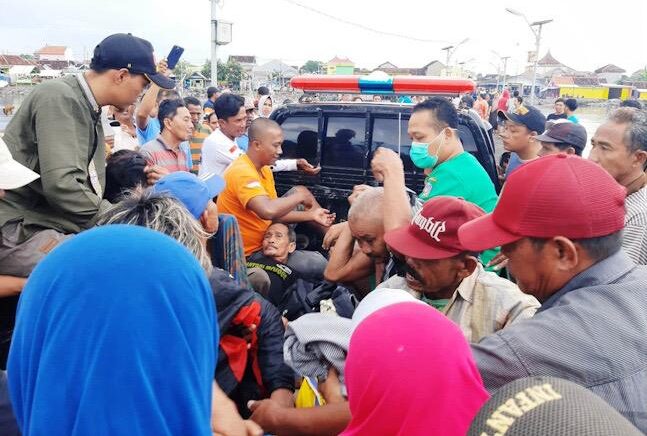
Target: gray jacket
x=592 y=332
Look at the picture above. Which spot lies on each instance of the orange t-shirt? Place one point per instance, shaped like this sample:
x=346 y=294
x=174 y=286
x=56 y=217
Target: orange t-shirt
x=242 y=183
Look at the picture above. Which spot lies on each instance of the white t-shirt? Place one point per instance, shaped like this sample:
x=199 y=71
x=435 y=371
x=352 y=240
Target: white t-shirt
x=218 y=151
x=123 y=140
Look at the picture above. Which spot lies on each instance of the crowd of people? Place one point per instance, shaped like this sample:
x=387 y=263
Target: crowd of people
x=151 y=280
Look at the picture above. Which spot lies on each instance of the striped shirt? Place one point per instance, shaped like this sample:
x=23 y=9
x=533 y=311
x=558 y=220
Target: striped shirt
x=634 y=239
x=157 y=153
x=195 y=143
x=591 y=332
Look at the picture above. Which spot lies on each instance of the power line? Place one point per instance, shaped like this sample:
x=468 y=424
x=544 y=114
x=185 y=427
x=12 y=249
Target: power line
x=363 y=27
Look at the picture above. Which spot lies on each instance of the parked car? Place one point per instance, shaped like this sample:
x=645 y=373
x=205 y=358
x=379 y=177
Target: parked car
x=342 y=137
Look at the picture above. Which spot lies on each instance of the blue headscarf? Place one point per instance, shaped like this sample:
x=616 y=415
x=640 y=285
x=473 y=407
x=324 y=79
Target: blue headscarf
x=116 y=334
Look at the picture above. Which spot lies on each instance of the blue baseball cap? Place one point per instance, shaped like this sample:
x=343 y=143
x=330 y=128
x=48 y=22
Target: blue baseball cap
x=528 y=116
x=123 y=50
x=193 y=191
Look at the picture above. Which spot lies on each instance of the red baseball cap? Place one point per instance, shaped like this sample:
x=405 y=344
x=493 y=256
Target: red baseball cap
x=433 y=232
x=556 y=195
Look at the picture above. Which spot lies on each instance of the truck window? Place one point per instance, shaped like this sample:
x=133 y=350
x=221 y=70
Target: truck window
x=385 y=134
x=300 y=138
x=345 y=144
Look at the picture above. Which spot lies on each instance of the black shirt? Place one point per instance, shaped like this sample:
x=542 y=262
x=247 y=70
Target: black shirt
x=556 y=117
x=281 y=276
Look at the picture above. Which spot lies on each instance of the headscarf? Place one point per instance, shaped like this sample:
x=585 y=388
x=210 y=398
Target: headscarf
x=503 y=101
x=378 y=299
x=115 y=335
x=261 y=102
x=410 y=372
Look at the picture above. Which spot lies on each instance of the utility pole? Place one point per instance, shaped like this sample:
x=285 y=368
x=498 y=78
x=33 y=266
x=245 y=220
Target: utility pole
x=537 y=33
x=505 y=68
x=447 y=50
x=540 y=25
x=214 y=45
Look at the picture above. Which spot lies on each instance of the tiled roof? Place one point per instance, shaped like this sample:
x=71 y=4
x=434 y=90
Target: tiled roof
x=52 y=50
x=610 y=68
x=14 y=60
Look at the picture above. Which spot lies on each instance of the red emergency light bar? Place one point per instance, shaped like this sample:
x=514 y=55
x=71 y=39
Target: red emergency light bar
x=383 y=84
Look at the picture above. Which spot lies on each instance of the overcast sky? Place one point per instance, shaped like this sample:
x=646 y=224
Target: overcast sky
x=584 y=35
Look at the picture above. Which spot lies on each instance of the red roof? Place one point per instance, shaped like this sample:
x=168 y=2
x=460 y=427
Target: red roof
x=52 y=50
x=562 y=80
x=14 y=60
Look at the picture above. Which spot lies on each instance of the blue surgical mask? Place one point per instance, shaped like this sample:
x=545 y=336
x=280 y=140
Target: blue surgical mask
x=420 y=156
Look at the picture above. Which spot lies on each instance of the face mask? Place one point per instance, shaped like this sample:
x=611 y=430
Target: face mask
x=419 y=154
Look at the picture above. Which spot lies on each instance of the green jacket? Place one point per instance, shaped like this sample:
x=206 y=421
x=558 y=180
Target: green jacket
x=57 y=132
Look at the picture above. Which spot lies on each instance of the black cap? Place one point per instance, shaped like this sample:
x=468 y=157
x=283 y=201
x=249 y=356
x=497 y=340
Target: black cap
x=122 y=50
x=529 y=116
x=565 y=132
x=538 y=406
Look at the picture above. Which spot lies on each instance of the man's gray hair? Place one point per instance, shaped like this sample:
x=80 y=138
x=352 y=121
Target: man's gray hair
x=368 y=204
x=166 y=215
x=636 y=134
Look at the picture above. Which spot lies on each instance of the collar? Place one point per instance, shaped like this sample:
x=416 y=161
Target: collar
x=246 y=158
x=466 y=289
x=604 y=272
x=225 y=137
x=88 y=93
x=161 y=141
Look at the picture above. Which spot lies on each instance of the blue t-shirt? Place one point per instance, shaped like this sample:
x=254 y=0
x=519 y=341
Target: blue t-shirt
x=150 y=133
x=208 y=104
x=573 y=119
x=186 y=148
x=513 y=164
x=243 y=142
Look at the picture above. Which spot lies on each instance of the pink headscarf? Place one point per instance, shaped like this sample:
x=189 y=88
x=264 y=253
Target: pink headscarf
x=503 y=101
x=410 y=372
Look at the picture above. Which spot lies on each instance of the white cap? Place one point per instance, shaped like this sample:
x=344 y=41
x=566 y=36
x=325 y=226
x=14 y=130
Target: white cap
x=12 y=174
x=379 y=299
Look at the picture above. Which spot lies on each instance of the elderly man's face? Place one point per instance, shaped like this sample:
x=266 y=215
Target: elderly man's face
x=276 y=243
x=610 y=152
x=437 y=278
x=369 y=234
x=534 y=268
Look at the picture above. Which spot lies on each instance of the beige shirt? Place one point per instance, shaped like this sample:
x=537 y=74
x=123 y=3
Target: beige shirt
x=483 y=303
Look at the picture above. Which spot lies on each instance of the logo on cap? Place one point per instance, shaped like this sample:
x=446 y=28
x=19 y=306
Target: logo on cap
x=428 y=225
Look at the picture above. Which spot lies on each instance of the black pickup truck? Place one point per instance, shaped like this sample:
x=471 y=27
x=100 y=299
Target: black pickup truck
x=342 y=137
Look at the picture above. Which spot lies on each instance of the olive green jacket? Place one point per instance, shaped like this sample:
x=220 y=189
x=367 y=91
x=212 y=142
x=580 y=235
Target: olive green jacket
x=57 y=133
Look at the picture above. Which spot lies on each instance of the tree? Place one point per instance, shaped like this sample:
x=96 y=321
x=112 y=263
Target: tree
x=28 y=57
x=182 y=69
x=312 y=67
x=206 y=70
x=230 y=73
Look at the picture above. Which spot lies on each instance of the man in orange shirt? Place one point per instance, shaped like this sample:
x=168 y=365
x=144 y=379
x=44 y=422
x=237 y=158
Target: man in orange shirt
x=250 y=193
x=481 y=106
